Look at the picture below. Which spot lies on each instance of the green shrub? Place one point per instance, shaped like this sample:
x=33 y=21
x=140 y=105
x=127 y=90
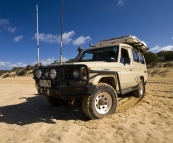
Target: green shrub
x=168 y=55
x=6 y=75
x=168 y=65
x=70 y=61
x=21 y=72
x=150 y=58
x=29 y=67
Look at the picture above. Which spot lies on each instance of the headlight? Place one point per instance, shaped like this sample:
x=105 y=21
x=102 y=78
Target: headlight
x=53 y=74
x=38 y=73
x=75 y=74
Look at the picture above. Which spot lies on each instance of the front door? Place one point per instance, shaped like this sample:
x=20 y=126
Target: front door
x=126 y=74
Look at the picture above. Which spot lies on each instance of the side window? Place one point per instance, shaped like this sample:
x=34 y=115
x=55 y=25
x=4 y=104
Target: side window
x=141 y=57
x=135 y=56
x=124 y=54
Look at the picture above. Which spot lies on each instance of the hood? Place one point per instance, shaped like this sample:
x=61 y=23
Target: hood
x=100 y=65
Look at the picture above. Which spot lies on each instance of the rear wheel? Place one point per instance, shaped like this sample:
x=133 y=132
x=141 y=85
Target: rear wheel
x=101 y=103
x=141 y=89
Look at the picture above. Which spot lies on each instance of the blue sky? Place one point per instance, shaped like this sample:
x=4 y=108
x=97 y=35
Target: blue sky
x=85 y=22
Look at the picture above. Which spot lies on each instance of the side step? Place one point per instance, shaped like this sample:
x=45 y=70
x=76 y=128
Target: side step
x=127 y=90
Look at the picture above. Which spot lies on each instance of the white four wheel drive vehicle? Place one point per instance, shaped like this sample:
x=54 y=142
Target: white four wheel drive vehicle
x=97 y=77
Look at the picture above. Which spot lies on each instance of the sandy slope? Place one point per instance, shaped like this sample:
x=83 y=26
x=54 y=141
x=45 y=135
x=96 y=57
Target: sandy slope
x=159 y=78
x=27 y=117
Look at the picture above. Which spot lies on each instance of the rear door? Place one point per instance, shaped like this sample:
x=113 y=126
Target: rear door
x=139 y=66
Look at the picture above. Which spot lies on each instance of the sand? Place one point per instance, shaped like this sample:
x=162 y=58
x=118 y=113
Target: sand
x=26 y=117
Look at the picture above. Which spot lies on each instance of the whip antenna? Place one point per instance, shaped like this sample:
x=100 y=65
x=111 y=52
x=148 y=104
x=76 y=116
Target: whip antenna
x=60 y=59
x=38 y=61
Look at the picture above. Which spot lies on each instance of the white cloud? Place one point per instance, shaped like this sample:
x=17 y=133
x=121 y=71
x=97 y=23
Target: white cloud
x=4 y=22
x=81 y=40
x=2 y=64
x=64 y=59
x=120 y=2
x=10 y=29
x=167 y=48
x=18 y=38
x=7 y=26
x=66 y=37
x=19 y=64
x=49 y=61
x=50 y=38
x=47 y=38
x=157 y=48
x=10 y=65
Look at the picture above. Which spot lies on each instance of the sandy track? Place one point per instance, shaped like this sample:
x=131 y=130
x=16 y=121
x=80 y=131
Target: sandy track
x=27 y=117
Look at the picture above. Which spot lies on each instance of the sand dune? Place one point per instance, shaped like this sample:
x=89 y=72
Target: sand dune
x=27 y=117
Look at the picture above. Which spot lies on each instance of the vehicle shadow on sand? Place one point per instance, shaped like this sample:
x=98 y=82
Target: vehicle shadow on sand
x=36 y=109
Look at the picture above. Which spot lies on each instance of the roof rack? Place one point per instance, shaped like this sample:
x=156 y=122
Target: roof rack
x=131 y=40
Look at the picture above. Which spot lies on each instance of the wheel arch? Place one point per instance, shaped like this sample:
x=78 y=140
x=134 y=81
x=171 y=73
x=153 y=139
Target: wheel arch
x=109 y=79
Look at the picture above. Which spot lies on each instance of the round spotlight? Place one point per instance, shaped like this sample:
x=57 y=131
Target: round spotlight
x=53 y=74
x=38 y=73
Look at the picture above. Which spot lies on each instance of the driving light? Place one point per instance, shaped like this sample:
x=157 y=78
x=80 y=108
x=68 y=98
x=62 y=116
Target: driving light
x=75 y=74
x=53 y=74
x=84 y=71
x=38 y=73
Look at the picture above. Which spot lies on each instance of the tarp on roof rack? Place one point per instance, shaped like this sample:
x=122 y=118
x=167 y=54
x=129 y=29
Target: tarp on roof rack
x=131 y=40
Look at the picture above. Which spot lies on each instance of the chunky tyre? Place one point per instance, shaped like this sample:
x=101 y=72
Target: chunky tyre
x=139 y=93
x=101 y=103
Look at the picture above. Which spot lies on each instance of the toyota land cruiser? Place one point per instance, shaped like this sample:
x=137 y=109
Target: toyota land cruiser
x=97 y=77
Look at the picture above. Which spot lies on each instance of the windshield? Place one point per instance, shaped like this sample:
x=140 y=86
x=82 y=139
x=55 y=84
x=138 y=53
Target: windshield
x=107 y=54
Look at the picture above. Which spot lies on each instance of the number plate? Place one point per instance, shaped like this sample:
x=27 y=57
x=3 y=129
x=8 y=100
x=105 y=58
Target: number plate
x=45 y=83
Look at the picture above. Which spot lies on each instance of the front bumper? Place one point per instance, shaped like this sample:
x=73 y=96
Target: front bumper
x=66 y=92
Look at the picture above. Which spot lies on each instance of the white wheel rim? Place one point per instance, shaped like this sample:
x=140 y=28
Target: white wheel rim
x=141 y=88
x=103 y=102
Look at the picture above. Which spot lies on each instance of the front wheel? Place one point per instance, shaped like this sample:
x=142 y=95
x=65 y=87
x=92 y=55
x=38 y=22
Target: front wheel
x=139 y=93
x=101 y=103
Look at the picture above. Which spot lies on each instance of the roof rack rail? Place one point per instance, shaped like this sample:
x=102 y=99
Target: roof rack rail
x=115 y=38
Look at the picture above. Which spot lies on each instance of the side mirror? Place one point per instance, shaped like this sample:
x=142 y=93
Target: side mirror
x=126 y=61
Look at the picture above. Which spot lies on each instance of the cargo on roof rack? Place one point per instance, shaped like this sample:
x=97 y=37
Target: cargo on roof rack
x=130 y=40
